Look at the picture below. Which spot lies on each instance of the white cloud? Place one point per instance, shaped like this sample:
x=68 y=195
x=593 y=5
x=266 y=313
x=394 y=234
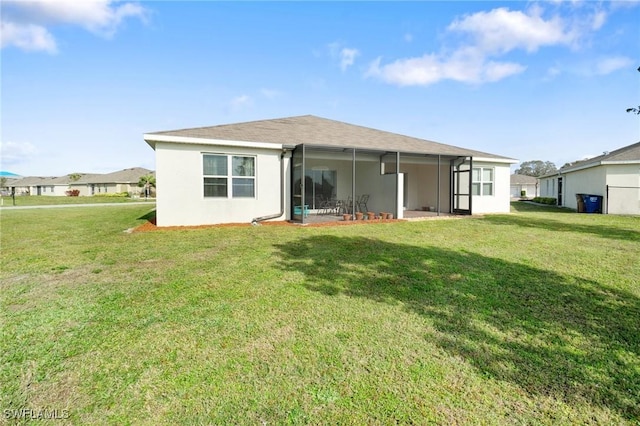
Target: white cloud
x=502 y=30
x=485 y=37
x=345 y=55
x=240 y=102
x=28 y=22
x=13 y=153
x=598 y=20
x=27 y=37
x=430 y=69
x=611 y=64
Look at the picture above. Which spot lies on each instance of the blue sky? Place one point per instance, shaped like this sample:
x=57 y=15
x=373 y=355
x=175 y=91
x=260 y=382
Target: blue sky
x=82 y=81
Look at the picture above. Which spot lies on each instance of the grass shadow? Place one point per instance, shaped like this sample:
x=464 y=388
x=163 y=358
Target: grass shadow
x=597 y=229
x=550 y=335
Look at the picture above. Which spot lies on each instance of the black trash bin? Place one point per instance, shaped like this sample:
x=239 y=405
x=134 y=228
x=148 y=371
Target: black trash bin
x=593 y=203
x=580 y=200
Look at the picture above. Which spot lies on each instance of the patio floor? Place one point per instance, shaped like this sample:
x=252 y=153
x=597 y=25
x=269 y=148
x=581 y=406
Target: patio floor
x=314 y=217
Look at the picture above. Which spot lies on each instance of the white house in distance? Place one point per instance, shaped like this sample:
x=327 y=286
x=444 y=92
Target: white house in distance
x=615 y=176
x=520 y=183
x=284 y=169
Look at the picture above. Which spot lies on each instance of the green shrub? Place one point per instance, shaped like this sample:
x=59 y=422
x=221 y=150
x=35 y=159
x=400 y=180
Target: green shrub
x=545 y=200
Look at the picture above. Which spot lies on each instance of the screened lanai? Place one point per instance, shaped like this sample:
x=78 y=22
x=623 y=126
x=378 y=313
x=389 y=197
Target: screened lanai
x=328 y=182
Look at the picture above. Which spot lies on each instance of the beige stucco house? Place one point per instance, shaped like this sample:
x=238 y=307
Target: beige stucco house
x=125 y=180
x=282 y=169
x=614 y=176
x=87 y=184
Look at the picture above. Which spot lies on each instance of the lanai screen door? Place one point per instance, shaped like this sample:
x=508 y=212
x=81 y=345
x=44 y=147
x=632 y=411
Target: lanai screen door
x=461 y=185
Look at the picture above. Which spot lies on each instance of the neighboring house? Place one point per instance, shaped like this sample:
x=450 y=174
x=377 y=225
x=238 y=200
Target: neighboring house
x=8 y=183
x=528 y=184
x=59 y=186
x=111 y=183
x=615 y=176
x=33 y=185
x=87 y=183
x=280 y=169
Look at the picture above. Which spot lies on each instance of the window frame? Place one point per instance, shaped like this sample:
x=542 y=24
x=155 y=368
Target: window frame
x=231 y=178
x=478 y=185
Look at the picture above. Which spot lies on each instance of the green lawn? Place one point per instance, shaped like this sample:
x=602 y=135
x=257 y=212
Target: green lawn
x=45 y=200
x=527 y=318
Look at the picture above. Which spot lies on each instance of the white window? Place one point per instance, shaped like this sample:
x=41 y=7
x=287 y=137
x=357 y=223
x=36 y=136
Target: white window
x=482 y=181
x=221 y=171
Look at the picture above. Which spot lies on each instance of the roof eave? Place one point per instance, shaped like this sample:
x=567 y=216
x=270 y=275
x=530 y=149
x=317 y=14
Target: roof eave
x=152 y=139
x=496 y=160
x=595 y=164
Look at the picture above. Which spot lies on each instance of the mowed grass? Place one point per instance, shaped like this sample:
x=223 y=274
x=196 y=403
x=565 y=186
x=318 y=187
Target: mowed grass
x=46 y=200
x=526 y=318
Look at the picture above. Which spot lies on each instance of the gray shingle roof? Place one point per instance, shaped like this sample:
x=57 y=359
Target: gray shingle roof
x=627 y=153
x=131 y=175
x=517 y=179
x=32 y=181
x=316 y=131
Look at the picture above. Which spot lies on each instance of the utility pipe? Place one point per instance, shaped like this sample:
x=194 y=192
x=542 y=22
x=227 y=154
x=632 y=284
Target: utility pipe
x=256 y=221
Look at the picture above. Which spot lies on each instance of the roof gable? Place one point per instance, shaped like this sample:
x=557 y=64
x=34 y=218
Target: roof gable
x=317 y=131
x=630 y=153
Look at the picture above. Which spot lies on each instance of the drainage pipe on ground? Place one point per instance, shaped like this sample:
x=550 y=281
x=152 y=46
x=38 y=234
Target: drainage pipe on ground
x=256 y=221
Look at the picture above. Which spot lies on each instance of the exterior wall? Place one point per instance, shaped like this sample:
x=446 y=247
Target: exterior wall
x=51 y=190
x=85 y=189
x=624 y=189
x=531 y=190
x=549 y=187
x=60 y=190
x=594 y=181
x=587 y=181
x=381 y=188
x=499 y=202
x=179 y=179
x=422 y=188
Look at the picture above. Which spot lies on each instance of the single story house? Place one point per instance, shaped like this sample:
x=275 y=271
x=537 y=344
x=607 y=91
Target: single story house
x=524 y=186
x=33 y=185
x=614 y=176
x=58 y=186
x=125 y=180
x=282 y=169
x=86 y=183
